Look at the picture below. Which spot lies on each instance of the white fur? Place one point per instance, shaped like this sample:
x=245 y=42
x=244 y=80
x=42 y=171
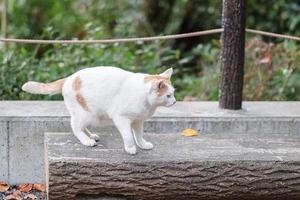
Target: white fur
x=115 y=96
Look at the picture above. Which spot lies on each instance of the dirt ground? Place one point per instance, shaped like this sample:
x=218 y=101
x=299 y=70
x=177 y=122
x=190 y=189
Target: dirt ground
x=22 y=191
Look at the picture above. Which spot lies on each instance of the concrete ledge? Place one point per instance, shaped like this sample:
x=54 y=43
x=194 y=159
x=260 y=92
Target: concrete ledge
x=22 y=124
x=203 y=167
x=25 y=109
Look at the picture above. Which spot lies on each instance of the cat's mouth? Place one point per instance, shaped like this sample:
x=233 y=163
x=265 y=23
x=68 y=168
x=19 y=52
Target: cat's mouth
x=169 y=105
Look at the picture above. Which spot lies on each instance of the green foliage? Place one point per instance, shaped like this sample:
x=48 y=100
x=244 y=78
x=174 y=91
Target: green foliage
x=272 y=70
x=274 y=15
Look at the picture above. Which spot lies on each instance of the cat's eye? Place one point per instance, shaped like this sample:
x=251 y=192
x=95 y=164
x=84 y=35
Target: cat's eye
x=169 y=96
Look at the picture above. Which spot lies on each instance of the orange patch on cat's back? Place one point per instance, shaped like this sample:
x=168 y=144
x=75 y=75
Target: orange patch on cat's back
x=80 y=99
x=76 y=85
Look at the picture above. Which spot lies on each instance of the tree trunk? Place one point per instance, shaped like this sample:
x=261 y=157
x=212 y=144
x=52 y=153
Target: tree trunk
x=178 y=168
x=232 y=54
x=192 y=180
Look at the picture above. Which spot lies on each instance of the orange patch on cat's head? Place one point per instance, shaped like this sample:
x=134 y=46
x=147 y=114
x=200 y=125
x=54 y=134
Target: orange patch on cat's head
x=76 y=85
x=160 y=82
x=156 y=78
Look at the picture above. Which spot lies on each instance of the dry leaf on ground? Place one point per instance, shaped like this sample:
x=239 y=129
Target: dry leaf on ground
x=189 y=132
x=40 y=187
x=30 y=197
x=17 y=193
x=3 y=187
x=12 y=197
x=25 y=187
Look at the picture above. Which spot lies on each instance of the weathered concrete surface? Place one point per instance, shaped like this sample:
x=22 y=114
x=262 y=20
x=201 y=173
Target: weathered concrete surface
x=28 y=120
x=263 y=117
x=3 y=151
x=255 y=109
x=202 y=167
x=26 y=152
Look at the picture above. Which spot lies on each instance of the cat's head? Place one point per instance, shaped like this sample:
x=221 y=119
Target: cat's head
x=161 y=92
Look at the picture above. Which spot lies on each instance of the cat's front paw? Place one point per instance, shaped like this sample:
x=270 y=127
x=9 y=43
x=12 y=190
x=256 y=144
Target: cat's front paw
x=89 y=142
x=146 y=145
x=94 y=136
x=131 y=150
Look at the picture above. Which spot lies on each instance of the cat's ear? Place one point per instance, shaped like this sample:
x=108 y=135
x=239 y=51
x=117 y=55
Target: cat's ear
x=161 y=85
x=167 y=74
x=158 y=86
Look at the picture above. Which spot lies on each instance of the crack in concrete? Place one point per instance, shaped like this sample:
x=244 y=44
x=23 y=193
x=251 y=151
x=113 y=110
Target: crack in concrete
x=8 y=150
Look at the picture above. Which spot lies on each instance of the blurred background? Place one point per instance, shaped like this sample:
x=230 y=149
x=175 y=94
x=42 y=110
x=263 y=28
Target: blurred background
x=272 y=66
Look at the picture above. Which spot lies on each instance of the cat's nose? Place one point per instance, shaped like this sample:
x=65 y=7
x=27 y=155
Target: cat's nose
x=174 y=102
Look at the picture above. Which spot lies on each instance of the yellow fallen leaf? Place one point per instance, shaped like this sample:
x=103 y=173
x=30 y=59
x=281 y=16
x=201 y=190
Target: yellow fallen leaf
x=25 y=187
x=3 y=186
x=189 y=132
x=40 y=187
x=12 y=197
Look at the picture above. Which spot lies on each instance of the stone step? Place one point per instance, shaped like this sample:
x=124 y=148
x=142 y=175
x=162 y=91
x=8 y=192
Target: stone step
x=23 y=124
x=208 y=166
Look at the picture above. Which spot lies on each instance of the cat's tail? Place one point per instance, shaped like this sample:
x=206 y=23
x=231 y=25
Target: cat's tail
x=44 y=88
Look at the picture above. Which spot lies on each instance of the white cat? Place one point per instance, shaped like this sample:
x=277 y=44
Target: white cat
x=109 y=94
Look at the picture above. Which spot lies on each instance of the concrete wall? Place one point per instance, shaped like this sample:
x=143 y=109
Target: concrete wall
x=3 y=151
x=23 y=124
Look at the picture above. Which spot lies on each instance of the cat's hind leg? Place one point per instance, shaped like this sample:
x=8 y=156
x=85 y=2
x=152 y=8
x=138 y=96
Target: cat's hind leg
x=137 y=127
x=78 y=125
x=92 y=135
